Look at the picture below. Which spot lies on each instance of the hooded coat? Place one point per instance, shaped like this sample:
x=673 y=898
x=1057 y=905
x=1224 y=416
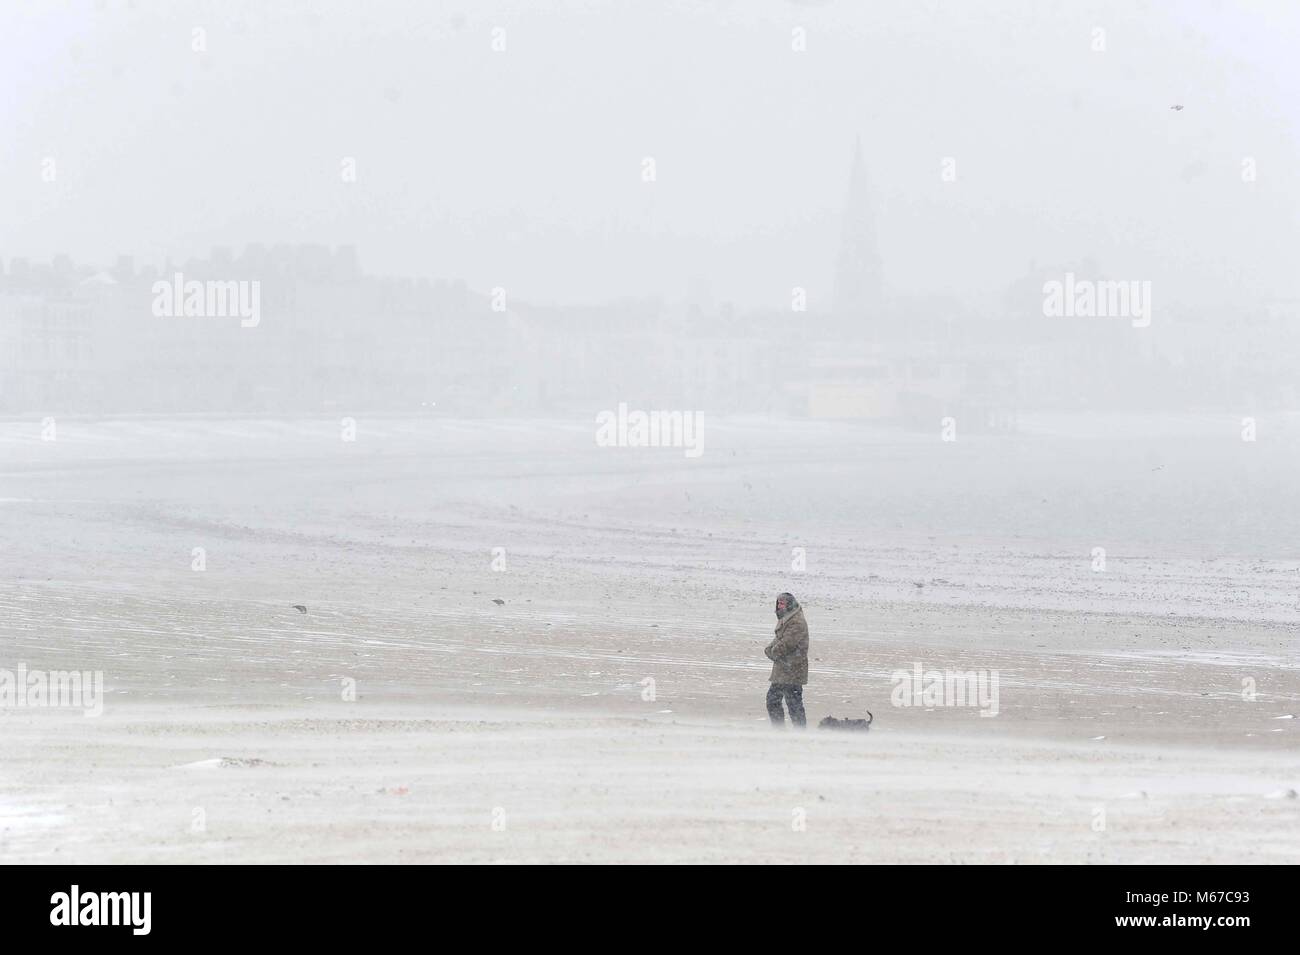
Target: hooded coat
x=788 y=650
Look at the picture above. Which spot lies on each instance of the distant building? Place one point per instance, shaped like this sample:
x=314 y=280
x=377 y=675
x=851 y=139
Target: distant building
x=858 y=287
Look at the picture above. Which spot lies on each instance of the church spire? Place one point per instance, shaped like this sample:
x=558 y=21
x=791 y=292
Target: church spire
x=857 y=273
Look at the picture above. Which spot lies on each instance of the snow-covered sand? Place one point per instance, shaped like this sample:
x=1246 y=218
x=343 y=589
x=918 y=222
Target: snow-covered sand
x=526 y=730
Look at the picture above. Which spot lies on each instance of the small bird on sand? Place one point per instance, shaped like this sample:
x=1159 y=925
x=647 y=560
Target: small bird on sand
x=300 y=608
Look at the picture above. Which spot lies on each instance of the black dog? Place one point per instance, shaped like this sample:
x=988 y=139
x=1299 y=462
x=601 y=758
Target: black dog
x=831 y=723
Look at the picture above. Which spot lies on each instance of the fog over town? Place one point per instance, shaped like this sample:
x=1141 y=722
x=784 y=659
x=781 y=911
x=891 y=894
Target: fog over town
x=458 y=432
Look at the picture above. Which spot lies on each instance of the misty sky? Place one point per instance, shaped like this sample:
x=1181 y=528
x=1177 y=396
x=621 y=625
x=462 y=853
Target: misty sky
x=523 y=168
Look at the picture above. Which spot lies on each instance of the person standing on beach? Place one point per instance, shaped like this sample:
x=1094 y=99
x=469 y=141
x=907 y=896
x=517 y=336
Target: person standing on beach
x=788 y=652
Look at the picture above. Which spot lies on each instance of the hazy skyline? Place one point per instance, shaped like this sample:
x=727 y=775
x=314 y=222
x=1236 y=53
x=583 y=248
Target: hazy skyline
x=523 y=168
x=782 y=432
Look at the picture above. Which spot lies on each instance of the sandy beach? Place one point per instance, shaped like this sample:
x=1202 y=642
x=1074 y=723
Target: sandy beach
x=518 y=646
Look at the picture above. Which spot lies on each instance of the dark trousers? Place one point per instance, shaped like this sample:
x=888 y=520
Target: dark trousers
x=792 y=693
